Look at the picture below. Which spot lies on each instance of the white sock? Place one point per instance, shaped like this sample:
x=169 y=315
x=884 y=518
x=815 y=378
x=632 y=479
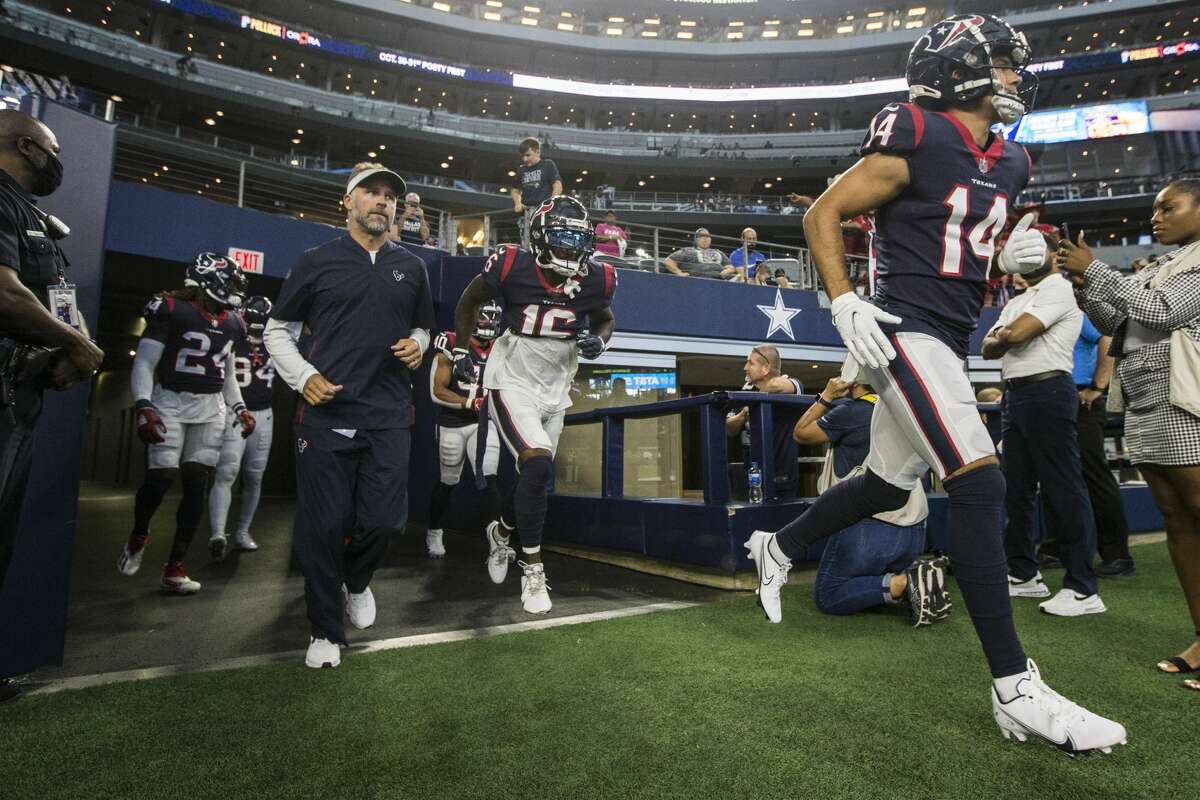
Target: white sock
x=531 y=551
x=1009 y=687
x=776 y=553
x=438 y=531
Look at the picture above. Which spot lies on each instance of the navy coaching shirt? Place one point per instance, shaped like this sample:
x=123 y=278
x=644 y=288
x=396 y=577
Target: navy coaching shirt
x=355 y=311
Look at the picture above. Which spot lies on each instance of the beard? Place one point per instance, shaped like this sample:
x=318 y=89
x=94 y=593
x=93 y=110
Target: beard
x=373 y=222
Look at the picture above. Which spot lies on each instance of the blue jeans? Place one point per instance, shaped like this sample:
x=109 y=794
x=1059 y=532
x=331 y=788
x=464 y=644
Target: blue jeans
x=858 y=560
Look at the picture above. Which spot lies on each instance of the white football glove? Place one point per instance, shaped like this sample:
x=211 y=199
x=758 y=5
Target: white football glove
x=858 y=323
x=1025 y=250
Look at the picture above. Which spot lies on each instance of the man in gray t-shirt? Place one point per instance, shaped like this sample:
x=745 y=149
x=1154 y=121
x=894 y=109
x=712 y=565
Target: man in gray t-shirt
x=701 y=261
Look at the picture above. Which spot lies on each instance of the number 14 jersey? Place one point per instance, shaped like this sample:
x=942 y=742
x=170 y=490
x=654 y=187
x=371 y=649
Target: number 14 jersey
x=537 y=353
x=932 y=244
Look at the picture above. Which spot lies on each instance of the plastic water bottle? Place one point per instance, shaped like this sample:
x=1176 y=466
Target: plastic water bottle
x=754 y=480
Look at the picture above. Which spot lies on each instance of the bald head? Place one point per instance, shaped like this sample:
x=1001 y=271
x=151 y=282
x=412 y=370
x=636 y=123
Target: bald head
x=770 y=355
x=749 y=235
x=26 y=145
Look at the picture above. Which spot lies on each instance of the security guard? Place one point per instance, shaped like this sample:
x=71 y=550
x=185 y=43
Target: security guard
x=43 y=339
x=365 y=307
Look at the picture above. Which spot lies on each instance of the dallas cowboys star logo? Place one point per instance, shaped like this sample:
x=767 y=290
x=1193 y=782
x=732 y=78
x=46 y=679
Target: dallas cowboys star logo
x=780 y=316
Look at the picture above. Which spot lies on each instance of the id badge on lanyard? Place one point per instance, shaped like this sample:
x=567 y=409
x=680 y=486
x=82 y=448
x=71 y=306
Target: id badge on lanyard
x=63 y=304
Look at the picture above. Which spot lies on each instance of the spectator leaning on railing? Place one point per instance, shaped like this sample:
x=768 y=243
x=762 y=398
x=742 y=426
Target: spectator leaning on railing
x=611 y=238
x=745 y=259
x=701 y=261
x=1154 y=319
x=537 y=181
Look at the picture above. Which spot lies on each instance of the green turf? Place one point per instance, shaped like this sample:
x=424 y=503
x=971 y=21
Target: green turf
x=705 y=702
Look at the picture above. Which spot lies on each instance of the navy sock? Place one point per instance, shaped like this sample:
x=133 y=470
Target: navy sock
x=531 y=499
x=489 y=500
x=194 y=478
x=840 y=507
x=980 y=567
x=149 y=497
x=438 y=503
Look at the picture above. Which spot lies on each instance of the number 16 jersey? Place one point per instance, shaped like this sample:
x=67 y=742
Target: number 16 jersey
x=933 y=243
x=537 y=353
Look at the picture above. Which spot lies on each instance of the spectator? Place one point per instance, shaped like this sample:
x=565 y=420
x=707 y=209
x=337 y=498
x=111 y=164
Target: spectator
x=410 y=226
x=537 y=181
x=745 y=259
x=762 y=370
x=1035 y=338
x=876 y=561
x=701 y=260
x=611 y=238
x=1154 y=319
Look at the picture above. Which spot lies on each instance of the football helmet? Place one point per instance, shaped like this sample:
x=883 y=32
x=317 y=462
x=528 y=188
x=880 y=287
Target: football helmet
x=487 y=324
x=255 y=312
x=561 y=236
x=954 y=62
x=220 y=278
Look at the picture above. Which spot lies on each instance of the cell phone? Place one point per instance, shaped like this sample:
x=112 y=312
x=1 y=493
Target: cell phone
x=1066 y=231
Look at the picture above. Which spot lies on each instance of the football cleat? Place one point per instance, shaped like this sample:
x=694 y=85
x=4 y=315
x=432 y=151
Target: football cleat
x=360 y=608
x=322 y=653
x=434 y=544
x=1037 y=709
x=926 y=592
x=535 y=592
x=500 y=555
x=1069 y=603
x=242 y=541
x=131 y=555
x=175 y=580
x=1034 y=587
x=772 y=574
x=218 y=546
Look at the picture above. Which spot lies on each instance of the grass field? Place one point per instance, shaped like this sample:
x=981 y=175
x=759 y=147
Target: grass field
x=707 y=702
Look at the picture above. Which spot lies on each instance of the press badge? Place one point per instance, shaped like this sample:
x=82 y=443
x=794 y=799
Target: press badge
x=62 y=303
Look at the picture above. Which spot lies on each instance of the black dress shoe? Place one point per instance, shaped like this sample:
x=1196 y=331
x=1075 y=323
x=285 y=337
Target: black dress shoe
x=1117 y=568
x=9 y=690
x=1048 y=560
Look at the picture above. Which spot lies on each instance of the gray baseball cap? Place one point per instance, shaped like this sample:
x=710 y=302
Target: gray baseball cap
x=397 y=182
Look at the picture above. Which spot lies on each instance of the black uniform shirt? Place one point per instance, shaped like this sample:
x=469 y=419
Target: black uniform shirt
x=536 y=182
x=356 y=311
x=24 y=244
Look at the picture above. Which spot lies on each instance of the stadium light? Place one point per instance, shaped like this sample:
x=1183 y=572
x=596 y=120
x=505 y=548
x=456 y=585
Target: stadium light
x=565 y=26
x=734 y=35
x=770 y=34
x=530 y=21
x=805 y=32
x=616 y=19
x=683 y=35
x=651 y=21
x=649 y=34
x=491 y=16
x=918 y=11
x=531 y=10
x=495 y=4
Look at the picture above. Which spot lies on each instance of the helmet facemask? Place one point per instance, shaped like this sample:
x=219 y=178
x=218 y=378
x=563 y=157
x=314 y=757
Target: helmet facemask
x=487 y=323
x=566 y=245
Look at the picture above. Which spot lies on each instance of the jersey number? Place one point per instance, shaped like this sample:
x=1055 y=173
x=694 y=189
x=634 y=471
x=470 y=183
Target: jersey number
x=190 y=360
x=265 y=373
x=982 y=237
x=882 y=132
x=544 y=321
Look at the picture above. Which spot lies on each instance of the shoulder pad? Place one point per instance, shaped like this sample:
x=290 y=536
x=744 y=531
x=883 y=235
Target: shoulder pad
x=897 y=129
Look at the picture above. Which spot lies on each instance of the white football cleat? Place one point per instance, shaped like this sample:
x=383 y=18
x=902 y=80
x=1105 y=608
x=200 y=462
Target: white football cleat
x=772 y=575
x=500 y=555
x=242 y=541
x=1034 y=587
x=1039 y=710
x=433 y=543
x=322 y=653
x=130 y=560
x=360 y=608
x=1069 y=603
x=175 y=580
x=218 y=546
x=535 y=593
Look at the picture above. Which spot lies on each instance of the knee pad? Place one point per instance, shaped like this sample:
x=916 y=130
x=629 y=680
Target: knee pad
x=253 y=476
x=881 y=495
x=226 y=473
x=536 y=473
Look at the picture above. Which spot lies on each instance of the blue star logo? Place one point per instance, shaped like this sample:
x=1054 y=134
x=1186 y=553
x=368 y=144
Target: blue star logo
x=780 y=316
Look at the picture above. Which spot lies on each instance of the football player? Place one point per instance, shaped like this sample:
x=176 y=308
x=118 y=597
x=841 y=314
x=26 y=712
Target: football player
x=255 y=377
x=556 y=304
x=458 y=424
x=182 y=381
x=939 y=181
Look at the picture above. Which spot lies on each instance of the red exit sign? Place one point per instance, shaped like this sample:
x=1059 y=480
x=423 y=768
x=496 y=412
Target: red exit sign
x=248 y=260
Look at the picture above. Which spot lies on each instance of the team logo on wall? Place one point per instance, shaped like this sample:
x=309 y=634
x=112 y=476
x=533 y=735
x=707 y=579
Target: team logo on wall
x=780 y=316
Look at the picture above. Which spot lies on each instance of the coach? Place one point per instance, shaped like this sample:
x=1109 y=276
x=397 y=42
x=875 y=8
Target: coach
x=1035 y=337
x=364 y=307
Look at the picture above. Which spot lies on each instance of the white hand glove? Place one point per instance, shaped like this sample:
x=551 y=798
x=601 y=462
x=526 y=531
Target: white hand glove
x=858 y=323
x=1025 y=250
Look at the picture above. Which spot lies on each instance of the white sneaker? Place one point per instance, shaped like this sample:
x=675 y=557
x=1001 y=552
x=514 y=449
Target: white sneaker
x=322 y=653
x=500 y=555
x=1034 y=587
x=218 y=546
x=130 y=560
x=433 y=543
x=1037 y=709
x=175 y=580
x=1069 y=603
x=772 y=574
x=242 y=541
x=360 y=607
x=535 y=593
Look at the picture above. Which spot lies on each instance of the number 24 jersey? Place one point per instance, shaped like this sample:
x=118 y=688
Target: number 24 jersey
x=196 y=343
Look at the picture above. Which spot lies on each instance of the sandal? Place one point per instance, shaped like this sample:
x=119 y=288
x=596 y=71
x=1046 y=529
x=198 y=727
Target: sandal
x=1181 y=667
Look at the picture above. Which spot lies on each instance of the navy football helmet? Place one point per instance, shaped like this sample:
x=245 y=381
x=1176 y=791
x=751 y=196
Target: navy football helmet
x=255 y=312
x=954 y=62
x=487 y=324
x=561 y=235
x=219 y=277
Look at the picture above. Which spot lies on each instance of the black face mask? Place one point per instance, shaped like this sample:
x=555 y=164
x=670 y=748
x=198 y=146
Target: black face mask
x=48 y=177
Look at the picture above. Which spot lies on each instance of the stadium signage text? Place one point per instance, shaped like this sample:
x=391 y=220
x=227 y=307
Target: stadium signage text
x=419 y=63
x=248 y=260
x=282 y=31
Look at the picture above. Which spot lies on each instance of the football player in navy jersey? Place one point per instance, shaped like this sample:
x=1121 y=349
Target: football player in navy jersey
x=556 y=305
x=458 y=425
x=248 y=455
x=182 y=382
x=939 y=181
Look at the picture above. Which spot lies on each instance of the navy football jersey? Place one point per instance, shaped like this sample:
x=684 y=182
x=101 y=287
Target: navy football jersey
x=255 y=374
x=196 y=343
x=932 y=244
x=457 y=417
x=533 y=307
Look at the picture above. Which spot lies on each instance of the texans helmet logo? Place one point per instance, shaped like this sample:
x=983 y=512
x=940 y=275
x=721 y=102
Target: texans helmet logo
x=301 y=444
x=950 y=33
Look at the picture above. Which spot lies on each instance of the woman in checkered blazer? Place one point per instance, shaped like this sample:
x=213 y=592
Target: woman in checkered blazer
x=1152 y=315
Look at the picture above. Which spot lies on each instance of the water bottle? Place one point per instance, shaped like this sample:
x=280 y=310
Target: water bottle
x=754 y=480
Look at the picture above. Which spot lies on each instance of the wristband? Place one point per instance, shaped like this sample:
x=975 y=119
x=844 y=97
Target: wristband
x=824 y=402
x=140 y=404
x=238 y=408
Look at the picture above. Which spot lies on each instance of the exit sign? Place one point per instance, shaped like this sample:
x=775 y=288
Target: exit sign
x=248 y=260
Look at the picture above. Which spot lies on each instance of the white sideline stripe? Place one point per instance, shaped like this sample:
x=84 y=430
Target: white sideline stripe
x=379 y=645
